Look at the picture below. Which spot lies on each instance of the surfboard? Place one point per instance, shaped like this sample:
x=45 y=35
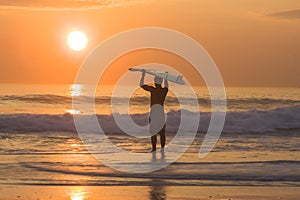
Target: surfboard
x=164 y=75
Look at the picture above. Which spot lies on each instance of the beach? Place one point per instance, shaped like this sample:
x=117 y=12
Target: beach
x=147 y=192
x=237 y=173
x=43 y=157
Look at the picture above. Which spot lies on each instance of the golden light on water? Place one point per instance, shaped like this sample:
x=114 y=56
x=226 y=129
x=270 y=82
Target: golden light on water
x=73 y=112
x=77 y=194
x=77 y=197
x=76 y=90
x=76 y=145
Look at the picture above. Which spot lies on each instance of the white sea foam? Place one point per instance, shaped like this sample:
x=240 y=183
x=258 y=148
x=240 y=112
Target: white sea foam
x=236 y=122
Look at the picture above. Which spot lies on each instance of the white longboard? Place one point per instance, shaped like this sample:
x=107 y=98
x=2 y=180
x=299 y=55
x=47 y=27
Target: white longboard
x=170 y=77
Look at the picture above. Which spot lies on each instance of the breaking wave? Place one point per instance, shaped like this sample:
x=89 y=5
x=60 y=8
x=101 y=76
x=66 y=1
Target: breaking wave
x=236 y=121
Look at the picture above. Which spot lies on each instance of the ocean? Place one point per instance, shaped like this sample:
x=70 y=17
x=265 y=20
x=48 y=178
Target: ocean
x=39 y=144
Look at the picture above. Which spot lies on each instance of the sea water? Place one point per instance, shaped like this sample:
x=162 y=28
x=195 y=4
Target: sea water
x=39 y=144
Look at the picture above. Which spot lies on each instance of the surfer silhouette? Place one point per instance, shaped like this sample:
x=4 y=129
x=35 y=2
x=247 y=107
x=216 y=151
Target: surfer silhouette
x=157 y=115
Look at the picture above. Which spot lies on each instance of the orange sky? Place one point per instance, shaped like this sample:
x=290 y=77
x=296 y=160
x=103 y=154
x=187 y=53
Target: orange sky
x=253 y=42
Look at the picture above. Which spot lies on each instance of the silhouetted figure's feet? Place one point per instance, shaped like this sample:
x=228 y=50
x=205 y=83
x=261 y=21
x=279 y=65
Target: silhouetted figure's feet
x=153 y=150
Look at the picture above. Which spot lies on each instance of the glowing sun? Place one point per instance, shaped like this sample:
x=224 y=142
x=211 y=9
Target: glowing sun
x=77 y=40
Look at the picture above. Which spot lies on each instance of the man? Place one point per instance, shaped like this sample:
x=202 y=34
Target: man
x=157 y=115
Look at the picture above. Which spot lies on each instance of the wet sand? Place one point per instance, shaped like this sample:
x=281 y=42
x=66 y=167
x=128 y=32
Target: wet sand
x=147 y=192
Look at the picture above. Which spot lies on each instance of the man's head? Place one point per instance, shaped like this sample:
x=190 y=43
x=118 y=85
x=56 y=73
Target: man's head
x=157 y=80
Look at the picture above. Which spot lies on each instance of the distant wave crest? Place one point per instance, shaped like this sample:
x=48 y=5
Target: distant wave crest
x=232 y=104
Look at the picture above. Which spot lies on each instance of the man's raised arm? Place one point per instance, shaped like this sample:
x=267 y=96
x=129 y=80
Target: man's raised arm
x=142 y=84
x=166 y=83
x=142 y=79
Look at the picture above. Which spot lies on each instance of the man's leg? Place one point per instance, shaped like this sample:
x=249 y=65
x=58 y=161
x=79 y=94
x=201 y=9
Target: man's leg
x=153 y=141
x=163 y=136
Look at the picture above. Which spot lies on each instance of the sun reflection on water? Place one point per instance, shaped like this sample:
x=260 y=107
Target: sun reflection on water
x=77 y=194
x=73 y=112
x=76 y=90
x=77 y=197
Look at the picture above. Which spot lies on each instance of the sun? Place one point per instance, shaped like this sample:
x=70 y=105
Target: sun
x=77 y=40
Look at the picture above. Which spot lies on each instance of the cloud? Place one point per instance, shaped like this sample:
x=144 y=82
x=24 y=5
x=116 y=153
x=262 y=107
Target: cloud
x=65 y=4
x=287 y=14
